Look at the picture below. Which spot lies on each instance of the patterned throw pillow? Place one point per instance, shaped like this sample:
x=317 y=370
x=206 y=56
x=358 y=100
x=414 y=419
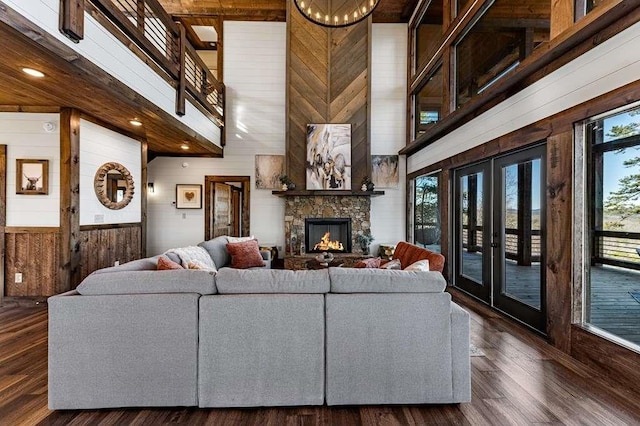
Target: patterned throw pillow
x=373 y=262
x=166 y=264
x=393 y=264
x=420 y=265
x=245 y=255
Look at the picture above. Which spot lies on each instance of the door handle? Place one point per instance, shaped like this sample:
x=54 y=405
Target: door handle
x=495 y=245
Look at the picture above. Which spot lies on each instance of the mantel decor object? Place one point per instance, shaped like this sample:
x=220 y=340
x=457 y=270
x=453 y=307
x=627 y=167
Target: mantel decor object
x=336 y=13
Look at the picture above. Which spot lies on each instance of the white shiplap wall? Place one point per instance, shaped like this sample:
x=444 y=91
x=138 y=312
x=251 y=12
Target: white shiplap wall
x=98 y=146
x=388 y=125
x=611 y=65
x=104 y=50
x=254 y=70
x=25 y=137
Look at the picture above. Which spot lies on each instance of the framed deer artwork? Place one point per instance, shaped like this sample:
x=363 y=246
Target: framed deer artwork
x=32 y=177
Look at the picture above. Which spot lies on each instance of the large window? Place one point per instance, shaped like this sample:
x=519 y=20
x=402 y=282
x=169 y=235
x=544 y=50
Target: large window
x=612 y=287
x=426 y=225
x=428 y=103
x=428 y=33
x=496 y=44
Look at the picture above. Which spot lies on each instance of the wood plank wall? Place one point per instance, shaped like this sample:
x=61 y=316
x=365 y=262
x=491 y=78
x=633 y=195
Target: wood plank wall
x=34 y=252
x=328 y=81
x=101 y=246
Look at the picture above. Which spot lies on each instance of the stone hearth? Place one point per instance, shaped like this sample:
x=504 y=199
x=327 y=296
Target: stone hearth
x=297 y=208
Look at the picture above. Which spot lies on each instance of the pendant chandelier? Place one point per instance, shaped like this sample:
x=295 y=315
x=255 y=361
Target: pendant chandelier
x=336 y=13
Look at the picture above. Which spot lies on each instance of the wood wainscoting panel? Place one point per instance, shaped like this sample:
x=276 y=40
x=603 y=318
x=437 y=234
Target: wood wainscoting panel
x=101 y=247
x=35 y=256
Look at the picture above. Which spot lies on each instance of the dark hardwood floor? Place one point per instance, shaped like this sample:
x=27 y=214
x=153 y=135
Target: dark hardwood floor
x=517 y=379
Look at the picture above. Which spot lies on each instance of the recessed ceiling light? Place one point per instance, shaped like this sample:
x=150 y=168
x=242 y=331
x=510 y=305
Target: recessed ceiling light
x=135 y=122
x=32 y=72
x=184 y=146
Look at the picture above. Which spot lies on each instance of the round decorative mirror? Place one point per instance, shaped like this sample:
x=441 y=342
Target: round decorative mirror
x=114 y=186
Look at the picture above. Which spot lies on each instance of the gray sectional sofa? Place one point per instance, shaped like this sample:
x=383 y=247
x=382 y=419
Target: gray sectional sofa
x=250 y=338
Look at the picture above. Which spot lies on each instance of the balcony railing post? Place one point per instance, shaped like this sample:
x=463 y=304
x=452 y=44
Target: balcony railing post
x=181 y=89
x=140 y=16
x=71 y=19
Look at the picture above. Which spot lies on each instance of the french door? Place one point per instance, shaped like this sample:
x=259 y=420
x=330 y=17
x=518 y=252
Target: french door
x=498 y=233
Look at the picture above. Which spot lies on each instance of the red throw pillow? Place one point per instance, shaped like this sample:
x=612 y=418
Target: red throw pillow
x=373 y=262
x=245 y=255
x=165 y=264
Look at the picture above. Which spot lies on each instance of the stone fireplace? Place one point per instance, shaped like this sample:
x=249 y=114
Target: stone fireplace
x=301 y=207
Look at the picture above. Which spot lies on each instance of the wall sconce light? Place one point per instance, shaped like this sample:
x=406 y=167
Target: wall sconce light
x=150 y=188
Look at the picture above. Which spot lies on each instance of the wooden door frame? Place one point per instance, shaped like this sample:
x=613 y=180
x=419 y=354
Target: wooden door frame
x=245 y=183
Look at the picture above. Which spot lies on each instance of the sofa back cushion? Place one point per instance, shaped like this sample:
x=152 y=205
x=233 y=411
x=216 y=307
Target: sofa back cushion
x=409 y=253
x=149 y=282
x=217 y=249
x=146 y=264
x=366 y=280
x=237 y=281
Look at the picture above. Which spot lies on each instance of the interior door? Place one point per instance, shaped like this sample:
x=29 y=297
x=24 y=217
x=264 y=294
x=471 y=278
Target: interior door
x=222 y=209
x=498 y=228
x=519 y=243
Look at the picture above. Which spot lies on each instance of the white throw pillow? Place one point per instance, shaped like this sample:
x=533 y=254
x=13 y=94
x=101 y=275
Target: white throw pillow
x=420 y=265
x=393 y=264
x=240 y=239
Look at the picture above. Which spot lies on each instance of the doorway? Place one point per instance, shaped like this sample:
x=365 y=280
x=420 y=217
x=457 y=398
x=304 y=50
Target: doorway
x=226 y=206
x=499 y=211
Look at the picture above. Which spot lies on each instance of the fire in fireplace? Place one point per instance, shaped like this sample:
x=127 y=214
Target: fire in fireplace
x=328 y=234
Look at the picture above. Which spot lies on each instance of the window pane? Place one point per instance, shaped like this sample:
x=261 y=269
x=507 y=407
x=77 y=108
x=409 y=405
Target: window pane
x=614 y=270
x=427 y=229
x=429 y=103
x=428 y=33
x=592 y=4
x=497 y=43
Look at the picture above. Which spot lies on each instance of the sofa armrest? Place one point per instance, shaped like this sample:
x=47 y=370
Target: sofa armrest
x=460 y=354
x=266 y=256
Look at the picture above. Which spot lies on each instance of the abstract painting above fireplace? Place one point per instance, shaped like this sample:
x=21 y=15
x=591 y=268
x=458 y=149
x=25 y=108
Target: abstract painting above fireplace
x=328 y=234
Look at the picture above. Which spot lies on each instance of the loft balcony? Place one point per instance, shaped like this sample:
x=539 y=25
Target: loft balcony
x=115 y=61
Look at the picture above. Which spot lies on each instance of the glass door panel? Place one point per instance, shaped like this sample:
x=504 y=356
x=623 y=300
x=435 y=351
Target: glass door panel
x=518 y=221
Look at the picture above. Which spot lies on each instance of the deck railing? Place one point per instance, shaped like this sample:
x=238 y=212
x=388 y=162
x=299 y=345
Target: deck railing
x=616 y=248
x=513 y=246
x=148 y=25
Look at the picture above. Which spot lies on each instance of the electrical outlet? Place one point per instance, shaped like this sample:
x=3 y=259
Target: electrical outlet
x=98 y=218
x=18 y=278
x=116 y=263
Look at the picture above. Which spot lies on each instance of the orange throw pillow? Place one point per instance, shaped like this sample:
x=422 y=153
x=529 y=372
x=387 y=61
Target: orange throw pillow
x=166 y=264
x=245 y=255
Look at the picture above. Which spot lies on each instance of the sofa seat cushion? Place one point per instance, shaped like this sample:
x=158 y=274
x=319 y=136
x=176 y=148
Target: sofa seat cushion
x=149 y=282
x=365 y=280
x=236 y=281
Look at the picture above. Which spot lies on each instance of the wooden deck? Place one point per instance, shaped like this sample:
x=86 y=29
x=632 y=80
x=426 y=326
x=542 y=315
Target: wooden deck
x=613 y=309
x=517 y=379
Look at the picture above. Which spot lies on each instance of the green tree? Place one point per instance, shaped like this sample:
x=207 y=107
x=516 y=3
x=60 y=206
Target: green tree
x=624 y=202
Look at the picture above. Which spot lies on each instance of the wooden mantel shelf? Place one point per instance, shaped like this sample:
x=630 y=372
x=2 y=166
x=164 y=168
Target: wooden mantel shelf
x=327 y=193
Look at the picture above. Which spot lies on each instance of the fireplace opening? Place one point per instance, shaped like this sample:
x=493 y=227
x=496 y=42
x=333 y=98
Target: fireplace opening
x=327 y=234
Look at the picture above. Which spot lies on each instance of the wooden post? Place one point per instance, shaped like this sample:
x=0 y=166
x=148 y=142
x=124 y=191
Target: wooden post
x=182 y=72
x=562 y=16
x=71 y=19
x=3 y=215
x=143 y=200
x=140 y=16
x=558 y=262
x=69 y=263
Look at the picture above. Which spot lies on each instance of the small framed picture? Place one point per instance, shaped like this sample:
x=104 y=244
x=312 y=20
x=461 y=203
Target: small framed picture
x=188 y=196
x=32 y=177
